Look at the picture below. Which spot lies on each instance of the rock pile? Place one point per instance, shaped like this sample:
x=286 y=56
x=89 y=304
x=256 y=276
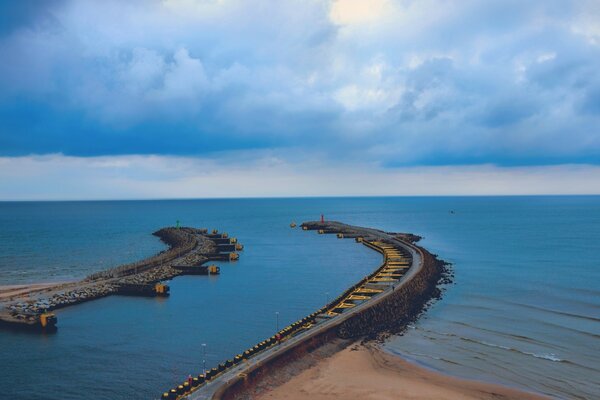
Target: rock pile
x=188 y=246
x=60 y=299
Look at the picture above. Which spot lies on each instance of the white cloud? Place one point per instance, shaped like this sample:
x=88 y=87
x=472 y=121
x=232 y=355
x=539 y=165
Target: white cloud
x=346 y=12
x=587 y=21
x=546 y=57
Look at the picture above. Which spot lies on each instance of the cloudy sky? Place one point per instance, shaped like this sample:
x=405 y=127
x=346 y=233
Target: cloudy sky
x=210 y=98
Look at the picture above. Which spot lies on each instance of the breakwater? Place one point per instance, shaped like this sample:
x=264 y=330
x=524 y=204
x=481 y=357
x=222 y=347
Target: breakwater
x=347 y=316
x=189 y=248
x=401 y=307
x=181 y=241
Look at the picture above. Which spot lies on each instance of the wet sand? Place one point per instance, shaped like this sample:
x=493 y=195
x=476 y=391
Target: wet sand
x=367 y=373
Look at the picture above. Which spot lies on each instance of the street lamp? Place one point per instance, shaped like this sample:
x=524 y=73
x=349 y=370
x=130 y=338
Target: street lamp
x=204 y=358
x=276 y=321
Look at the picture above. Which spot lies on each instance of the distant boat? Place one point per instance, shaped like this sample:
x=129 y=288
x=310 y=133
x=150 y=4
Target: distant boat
x=293 y=225
x=451 y=211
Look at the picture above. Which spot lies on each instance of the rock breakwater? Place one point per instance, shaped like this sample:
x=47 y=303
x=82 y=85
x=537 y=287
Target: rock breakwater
x=187 y=246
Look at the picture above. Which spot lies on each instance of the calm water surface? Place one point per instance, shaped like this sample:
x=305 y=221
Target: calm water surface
x=524 y=310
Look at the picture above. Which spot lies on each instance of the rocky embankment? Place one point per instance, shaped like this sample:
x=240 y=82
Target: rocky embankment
x=401 y=307
x=187 y=246
x=189 y=243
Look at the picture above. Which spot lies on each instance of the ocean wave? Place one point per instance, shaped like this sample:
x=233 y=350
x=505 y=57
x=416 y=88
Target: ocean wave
x=414 y=357
x=495 y=332
x=544 y=356
x=547 y=356
x=569 y=329
x=431 y=331
x=528 y=339
x=498 y=346
x=557 y=312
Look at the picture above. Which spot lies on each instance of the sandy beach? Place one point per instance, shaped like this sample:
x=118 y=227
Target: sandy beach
x=364 y=372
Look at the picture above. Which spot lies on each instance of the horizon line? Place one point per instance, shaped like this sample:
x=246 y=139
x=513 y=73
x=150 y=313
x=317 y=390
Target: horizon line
x=299 y=197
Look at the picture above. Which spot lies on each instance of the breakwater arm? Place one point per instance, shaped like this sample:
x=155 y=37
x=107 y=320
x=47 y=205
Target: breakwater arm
x=181 y=241
x=394 y=294
x=187 y=247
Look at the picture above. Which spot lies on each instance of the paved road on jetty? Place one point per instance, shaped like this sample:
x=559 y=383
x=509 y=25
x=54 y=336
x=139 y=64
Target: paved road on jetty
x=208 y=391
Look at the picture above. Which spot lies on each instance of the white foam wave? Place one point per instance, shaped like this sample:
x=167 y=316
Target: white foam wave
x=543 y=356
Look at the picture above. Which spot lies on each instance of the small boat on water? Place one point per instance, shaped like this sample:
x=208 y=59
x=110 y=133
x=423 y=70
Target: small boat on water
x=293 y=224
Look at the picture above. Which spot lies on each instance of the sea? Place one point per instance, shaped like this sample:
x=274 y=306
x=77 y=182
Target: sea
x=523 y=309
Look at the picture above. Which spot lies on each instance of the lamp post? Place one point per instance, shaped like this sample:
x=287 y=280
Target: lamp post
x=204 y=358
x=276 y=321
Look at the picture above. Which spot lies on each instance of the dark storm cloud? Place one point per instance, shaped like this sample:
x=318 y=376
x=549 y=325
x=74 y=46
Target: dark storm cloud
x=414 y=83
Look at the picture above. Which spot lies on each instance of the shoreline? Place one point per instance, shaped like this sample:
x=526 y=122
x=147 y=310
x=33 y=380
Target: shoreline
x=366 y=371
x=428 y=369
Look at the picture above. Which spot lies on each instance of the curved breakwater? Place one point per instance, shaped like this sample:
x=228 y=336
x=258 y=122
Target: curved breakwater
x=386 y=299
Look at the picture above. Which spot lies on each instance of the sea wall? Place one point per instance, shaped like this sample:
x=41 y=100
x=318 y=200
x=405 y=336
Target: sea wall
x=241 y=387
x=393 y=313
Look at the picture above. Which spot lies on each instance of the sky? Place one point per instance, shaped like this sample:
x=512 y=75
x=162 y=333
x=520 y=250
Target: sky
x=265 y=98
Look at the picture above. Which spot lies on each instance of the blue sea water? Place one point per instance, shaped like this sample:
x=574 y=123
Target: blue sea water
x=524 y=309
